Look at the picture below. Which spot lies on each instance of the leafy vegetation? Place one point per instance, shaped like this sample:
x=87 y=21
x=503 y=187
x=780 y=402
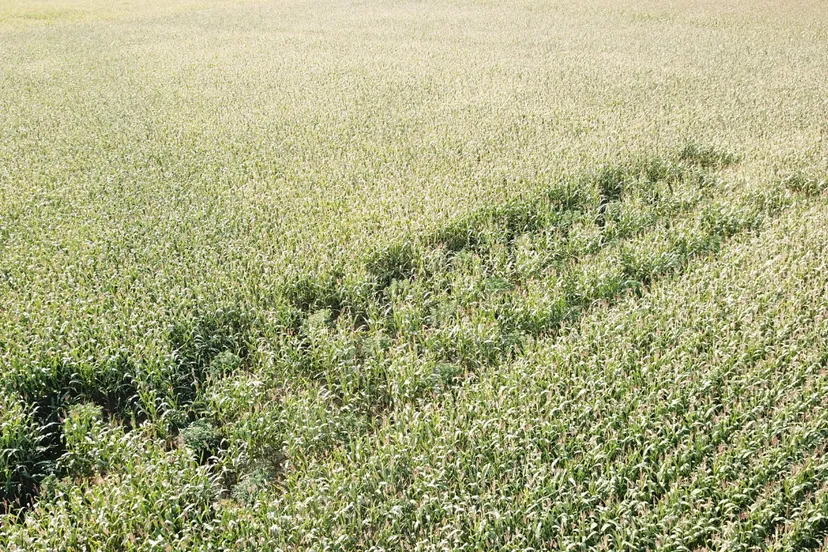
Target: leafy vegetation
x=330 y=299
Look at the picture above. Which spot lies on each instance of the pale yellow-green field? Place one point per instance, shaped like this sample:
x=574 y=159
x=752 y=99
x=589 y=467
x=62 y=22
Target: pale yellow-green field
x=163 y=160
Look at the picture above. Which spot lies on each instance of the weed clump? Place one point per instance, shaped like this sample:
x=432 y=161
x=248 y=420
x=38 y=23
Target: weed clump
x=251 y=486
x=202 y=439
x=224 y=364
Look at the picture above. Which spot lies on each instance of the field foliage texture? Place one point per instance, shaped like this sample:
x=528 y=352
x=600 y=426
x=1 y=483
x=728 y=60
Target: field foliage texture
x=413 y=275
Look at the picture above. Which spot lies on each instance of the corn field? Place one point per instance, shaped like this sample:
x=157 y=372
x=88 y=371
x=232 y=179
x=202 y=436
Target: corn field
x=413 y=275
